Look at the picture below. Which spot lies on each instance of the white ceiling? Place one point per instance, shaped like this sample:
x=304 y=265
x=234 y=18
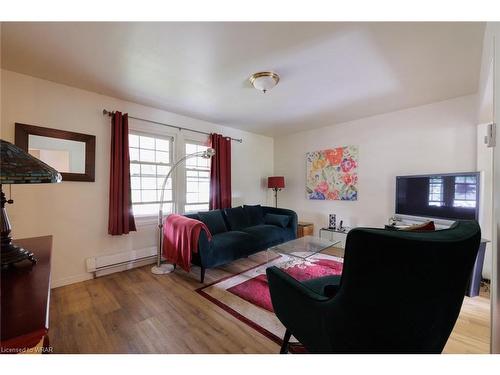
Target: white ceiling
x=330 y=72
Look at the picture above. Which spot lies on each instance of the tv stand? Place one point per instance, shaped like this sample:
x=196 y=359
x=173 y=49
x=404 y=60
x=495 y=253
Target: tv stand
x=474 y=284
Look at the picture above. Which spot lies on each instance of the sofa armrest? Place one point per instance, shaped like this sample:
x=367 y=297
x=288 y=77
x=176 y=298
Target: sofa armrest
x=284 y=211
x=204 y=249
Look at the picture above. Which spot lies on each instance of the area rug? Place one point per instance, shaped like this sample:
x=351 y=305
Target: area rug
x=246 y=295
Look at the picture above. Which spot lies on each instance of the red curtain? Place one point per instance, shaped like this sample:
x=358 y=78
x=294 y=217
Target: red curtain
x=220 y=172
x=121 y=218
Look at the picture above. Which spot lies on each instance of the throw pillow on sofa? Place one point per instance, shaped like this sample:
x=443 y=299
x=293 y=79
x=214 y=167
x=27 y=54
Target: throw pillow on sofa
x=214 y=221
x=237 y=218
x=278 y=220
x=255 y=214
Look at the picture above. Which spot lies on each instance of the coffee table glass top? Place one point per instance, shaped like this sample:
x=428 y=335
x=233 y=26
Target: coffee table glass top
x=303 y=247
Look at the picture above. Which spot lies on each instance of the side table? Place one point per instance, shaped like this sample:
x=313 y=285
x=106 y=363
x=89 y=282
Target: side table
x=305 y=229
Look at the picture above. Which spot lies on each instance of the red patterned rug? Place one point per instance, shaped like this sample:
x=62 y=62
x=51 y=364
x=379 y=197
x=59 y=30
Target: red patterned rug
x=246 y=295
x=256 y=290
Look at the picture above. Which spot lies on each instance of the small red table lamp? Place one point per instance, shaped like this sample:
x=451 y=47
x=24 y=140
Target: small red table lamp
x=276 y=183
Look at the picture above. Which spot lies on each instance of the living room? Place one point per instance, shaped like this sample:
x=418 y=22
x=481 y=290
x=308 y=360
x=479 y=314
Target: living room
x=218 y=187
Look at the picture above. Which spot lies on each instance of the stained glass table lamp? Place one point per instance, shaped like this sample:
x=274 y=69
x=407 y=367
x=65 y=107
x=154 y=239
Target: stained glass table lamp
x=18 y=167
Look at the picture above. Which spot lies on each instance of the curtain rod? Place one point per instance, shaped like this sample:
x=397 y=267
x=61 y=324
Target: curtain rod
x=105 y=112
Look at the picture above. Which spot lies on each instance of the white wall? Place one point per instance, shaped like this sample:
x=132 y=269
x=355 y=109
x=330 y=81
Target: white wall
x=76 y=213
x=485 y=165
x=485 y=162
x=435 y=138
x=484 y=153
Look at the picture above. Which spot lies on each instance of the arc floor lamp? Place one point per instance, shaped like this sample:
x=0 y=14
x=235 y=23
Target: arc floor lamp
x=159 y=268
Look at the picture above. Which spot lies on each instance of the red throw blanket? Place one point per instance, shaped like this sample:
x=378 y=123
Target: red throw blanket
x=180 y=237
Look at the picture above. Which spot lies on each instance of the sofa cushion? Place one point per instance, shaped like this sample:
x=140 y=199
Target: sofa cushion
x=237 y=218
x=278 y=220
x=266 y=235
x=255 y=214
x=228 y=246
x=214 y=221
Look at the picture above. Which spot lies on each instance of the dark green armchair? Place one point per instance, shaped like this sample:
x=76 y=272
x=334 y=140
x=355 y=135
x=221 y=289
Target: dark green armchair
x=400 y=292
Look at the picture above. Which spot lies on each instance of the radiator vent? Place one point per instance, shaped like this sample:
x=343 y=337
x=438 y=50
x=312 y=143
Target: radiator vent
x=105 y=264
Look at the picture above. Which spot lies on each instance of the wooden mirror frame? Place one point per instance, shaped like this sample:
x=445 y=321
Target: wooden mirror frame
x=23 y=131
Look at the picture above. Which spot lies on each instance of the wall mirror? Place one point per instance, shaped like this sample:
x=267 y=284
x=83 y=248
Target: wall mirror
x=71 y=154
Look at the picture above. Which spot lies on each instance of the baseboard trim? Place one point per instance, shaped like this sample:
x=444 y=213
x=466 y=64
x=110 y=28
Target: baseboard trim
x=70 y=280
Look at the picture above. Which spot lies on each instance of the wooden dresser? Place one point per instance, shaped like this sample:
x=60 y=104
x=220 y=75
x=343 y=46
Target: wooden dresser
x=25 y=301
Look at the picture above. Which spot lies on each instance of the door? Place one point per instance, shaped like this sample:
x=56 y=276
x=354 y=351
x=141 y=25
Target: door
x=495 y=289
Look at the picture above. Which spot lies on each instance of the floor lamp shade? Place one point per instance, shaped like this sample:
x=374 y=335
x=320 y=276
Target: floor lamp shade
x=276 y=183
x=18 y=167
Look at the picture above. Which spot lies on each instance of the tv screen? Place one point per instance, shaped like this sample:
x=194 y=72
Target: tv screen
x=444 y=196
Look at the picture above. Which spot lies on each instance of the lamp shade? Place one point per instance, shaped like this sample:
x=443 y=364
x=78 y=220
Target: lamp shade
x=276 y=182
x=19 y=167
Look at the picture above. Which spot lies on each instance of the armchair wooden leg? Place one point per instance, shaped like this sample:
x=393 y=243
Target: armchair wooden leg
x=175 y=266
x=202 y=274
x=286 y=338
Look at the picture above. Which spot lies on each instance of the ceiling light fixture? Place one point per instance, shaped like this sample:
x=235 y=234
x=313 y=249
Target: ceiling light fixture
x=264 y=81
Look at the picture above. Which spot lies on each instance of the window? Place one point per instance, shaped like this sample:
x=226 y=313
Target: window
x=150 y=161
x=197 y=179
x=465 y=191
x=436 y=192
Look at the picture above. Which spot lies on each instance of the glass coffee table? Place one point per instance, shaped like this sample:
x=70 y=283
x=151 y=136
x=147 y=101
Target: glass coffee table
x=301 y=248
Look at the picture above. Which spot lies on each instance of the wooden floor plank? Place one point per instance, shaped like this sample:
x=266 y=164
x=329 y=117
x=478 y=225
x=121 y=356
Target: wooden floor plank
x=137 y=312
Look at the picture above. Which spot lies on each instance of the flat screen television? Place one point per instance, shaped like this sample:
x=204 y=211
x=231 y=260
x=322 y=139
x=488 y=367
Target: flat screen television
x=451 y=196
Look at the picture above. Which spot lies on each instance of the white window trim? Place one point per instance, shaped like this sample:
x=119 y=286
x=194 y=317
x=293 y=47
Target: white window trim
x=154 y=131
x=179 y=174
x=184 y=177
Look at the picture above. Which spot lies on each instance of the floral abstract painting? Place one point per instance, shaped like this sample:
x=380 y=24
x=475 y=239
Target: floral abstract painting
x=333 y=174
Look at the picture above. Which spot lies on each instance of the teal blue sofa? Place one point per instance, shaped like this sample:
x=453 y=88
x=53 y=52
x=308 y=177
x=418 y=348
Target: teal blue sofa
x=241 y=231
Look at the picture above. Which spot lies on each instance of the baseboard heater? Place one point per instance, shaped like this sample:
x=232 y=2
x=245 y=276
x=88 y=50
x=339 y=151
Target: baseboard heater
x=106 y=264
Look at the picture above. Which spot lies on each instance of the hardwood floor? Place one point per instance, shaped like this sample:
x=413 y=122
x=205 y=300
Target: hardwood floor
x=471 y=334
x=138 y=312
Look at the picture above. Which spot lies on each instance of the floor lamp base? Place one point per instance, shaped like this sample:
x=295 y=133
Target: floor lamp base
x=163 y=269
